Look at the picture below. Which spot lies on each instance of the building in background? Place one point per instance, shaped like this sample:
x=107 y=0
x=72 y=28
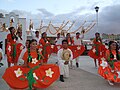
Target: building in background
x=9 y=20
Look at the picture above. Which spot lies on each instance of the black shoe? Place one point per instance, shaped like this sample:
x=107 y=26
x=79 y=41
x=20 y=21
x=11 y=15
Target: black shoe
x=61 y=78
x=1 y=64
x=77 y=65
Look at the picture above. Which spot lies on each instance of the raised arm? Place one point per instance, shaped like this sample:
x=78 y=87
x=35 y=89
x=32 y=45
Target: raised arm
x=81 y=36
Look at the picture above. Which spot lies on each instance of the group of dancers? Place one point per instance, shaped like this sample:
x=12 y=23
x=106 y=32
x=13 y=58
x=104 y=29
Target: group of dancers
x=108 y=59
x=31 y=68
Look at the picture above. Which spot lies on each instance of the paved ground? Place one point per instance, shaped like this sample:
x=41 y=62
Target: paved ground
x=83 y=78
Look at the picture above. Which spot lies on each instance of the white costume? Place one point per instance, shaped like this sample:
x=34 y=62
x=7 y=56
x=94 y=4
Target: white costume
x=64 y=69
x=79 y=40
x=34 y=37
x=59 y=41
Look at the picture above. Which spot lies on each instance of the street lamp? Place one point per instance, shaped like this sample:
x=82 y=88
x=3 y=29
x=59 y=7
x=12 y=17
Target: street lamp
x=96 y=9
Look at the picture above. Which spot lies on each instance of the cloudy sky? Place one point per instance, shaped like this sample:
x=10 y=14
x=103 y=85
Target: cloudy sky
x=73 y=10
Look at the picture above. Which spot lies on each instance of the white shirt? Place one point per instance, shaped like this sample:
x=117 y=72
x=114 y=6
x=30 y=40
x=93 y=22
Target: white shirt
x=34 y=36
x=78 y=41
x=59 y=41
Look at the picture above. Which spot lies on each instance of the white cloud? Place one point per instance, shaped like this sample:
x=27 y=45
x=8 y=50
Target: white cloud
x=109 y=17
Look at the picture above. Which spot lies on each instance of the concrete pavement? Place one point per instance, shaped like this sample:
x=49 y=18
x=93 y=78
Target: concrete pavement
x=83 y=78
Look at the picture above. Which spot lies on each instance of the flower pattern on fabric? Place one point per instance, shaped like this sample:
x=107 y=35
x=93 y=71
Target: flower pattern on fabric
x=118 y=74
x=49 y=72
x=94 y=50
x=34 y=60
x=78 y=48
x=9 y=48
x=103 y=59
x=115 y=57
x=69 y=43
x=47 y=42
x=18 y=72
x=104 y=64
x=58 y=47
x=34 y=75
x=40 y=49
x=52 y=46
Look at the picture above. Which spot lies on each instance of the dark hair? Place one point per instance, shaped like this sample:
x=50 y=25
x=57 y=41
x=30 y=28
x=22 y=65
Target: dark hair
x=77 y=33
x=117 y=54
x=36 y=32
x=67 y=34
x=33 y=40
x=13 y=36
x=42 y=34
x=45 y=39
x=29 y=55
x=64 y=41
x=10 y=28
x=28 y=40
x=29 y=43
x=58 y=34
x=67 y=37
x=97 y=33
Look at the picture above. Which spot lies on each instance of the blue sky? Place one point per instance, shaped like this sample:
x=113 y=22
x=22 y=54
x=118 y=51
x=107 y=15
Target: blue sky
x=54 y=6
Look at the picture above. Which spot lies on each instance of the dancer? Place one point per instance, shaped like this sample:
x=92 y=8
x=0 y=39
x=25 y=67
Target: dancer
x=19 y=44
x=27 y=46
x=110 y=64
x=78 y=41
x=11 y=47
x=32 y=73
x=64 y=56
x=58 y=40
x=98 y=49
x=35 y=36
x=69 y=39
x=46 y=47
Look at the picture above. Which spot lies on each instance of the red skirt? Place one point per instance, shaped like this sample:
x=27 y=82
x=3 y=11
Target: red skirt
x=17 y=76
x=108 y=73
x=11 y=52
x=96 y=54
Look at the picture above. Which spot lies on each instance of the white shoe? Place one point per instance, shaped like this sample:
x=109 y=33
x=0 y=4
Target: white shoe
x=110 y=83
